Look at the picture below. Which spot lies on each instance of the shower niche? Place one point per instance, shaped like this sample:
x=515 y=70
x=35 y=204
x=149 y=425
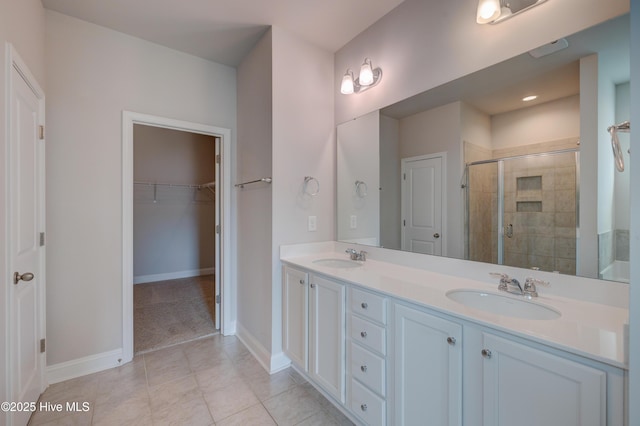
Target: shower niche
x=522 y=210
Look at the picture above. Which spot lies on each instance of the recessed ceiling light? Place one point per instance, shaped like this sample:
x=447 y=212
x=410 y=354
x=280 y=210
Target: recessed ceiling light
x=529 y=98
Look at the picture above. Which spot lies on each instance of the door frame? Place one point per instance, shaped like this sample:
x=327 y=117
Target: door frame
x=14 y=61
x=130 y=118
x=443 y=180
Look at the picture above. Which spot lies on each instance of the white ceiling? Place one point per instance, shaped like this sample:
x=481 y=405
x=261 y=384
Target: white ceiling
x=224 y=31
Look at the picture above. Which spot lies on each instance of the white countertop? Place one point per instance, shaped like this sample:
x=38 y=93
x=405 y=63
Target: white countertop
x=588 y=329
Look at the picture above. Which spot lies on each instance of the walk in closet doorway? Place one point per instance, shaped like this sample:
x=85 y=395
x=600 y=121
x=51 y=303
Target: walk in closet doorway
x=175 y=200
x=174 y=236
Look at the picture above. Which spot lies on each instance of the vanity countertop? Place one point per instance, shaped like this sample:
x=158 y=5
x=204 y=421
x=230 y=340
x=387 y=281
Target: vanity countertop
x=591 y=330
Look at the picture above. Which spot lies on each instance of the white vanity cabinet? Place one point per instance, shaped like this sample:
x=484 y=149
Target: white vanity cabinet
x=366 y=356
x=295 y=296
x=427 y=371
x=529 y=387
x=314 y=328
x=327 y=335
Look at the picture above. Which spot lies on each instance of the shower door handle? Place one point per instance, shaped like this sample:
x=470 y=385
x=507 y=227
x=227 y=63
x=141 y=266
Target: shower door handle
x=509 y=230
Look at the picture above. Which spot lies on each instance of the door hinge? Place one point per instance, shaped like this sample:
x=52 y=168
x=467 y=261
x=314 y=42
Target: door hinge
x=404 y=176
x=41 y=132
x=217 y=158
x=41 y=239
x=43 y=345
x=404 y=222
x=218 y=299
x=217 y=229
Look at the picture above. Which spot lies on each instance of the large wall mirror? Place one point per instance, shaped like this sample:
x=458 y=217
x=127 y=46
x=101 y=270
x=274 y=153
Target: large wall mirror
x=476 y=170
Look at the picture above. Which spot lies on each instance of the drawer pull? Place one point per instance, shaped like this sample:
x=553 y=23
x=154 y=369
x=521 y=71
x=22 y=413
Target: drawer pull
x=363 y=407
x=313 y=286
x=451 y=340
x=486 y=353
x=301 y=281
x=364 y=305
x=363 y=368
x=363 y=334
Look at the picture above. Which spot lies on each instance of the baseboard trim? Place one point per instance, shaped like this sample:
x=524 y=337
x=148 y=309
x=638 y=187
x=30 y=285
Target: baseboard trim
x=141 y=279
x=271 y=363
x=83 y=366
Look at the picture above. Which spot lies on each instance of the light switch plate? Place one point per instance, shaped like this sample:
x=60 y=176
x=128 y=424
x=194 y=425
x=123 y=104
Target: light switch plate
x=354 y=221
x=313 y=223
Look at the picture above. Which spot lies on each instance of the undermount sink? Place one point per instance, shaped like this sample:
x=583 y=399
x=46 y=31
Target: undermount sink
x=503 y=305
x=338 y=263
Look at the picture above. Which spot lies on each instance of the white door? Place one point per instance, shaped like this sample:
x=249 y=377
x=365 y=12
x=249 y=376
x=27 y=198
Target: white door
x=26 y=221
x=422 y=204
x=518 y=378
x=327 y=335
x=428 y=369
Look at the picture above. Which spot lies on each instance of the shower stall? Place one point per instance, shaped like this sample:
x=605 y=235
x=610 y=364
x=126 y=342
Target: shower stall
x=523 y=210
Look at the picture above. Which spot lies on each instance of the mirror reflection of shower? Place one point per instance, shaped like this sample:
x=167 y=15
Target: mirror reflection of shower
x=522 y=211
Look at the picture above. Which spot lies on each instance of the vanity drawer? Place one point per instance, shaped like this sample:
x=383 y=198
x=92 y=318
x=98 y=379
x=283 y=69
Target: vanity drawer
x=366 y=405
x=368 y=368
x=368 y=334
x=368 y=305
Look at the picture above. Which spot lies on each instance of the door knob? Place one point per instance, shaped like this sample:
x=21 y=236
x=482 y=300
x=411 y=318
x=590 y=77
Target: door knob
x=17 y=277
x=436 y=235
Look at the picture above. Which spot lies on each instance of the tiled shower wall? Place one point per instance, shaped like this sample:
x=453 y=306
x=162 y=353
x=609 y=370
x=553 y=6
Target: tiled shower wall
x=540 y=206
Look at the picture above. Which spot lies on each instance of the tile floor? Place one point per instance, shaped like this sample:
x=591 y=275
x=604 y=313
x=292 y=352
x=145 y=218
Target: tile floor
x=210 y=381
x=173 y=311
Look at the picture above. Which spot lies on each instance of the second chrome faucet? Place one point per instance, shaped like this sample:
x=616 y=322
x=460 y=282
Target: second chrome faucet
x=512 y=285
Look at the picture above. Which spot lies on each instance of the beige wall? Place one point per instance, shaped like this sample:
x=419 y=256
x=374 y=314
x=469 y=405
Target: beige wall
x=255 y=146
x=303 y=145
x=173 y=227
x=93 y=74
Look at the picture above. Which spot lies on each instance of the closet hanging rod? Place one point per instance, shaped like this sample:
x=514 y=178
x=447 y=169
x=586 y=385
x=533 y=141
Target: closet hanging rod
x=178 y=185
x=241 y=185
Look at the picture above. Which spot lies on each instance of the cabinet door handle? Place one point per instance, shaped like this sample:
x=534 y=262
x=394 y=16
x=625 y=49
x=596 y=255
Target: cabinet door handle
x=451 y=340
x=363 y=334
x=313 y=286
x=364 y=305
x=486 y=353
x=363 y=368
x=363 y=407
x=302 y=282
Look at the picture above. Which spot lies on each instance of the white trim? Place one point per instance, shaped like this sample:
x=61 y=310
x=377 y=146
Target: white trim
x=82 y=366
x=271 y=363
x=142 y=279
x=228 y=303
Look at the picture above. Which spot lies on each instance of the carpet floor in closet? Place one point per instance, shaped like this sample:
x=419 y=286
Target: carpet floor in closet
x=174 y=311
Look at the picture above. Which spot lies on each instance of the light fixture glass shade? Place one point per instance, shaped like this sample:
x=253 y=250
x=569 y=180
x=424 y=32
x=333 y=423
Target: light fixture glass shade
x=488 y=11
x=366 y=73
x=346 y=88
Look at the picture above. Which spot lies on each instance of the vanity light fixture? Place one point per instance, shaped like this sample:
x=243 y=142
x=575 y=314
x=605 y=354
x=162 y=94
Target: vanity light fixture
x=494 y=11
x=529 y=98
x=368 y=77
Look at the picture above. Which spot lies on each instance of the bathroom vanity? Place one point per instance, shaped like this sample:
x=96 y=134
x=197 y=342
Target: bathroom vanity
x=393 y=343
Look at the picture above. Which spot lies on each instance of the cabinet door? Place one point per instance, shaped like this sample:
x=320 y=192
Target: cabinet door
x=327 y=335
x=527 y=387
x=294 y=312
x=428 y=369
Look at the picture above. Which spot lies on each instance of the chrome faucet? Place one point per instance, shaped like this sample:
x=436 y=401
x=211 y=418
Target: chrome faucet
x=357 y=255
x=508 y=284
x=530 y=289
